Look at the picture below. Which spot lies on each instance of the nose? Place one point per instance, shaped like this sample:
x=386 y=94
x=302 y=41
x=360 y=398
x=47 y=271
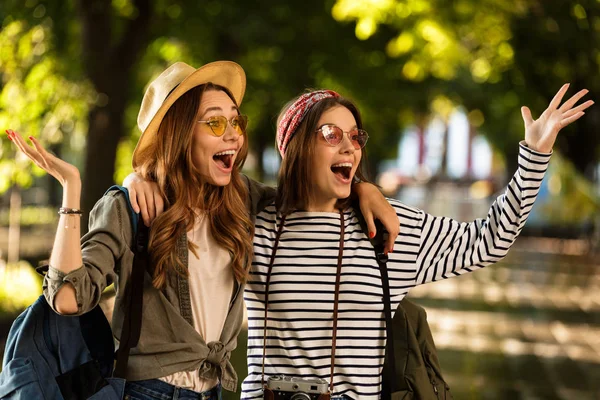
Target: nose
x=346 y=147
x=230 y=134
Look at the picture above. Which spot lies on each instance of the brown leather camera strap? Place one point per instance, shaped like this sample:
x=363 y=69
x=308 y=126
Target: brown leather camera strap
x=336 y=297
x=335 y=304
x=279 y=230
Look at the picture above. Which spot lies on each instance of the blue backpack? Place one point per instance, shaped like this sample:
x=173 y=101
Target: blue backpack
x=52 y=356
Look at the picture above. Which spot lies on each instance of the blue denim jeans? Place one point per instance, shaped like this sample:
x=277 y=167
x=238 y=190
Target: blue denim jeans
x=155 y=389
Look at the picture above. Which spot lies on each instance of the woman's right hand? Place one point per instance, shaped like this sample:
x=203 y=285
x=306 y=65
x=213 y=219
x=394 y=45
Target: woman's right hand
x=145 y=197
x=64 y=172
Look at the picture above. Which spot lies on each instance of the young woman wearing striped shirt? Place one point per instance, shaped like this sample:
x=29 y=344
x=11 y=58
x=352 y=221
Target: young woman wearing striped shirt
x=321 y=141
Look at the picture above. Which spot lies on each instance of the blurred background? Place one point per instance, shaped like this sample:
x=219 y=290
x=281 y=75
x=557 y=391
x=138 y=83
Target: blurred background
x=440 y=84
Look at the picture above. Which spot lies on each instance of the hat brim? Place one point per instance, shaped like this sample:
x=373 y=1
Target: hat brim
x=222 y=73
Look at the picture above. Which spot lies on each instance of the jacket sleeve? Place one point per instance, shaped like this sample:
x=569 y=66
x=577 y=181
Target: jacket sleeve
x=449 y=248
x=109 y=237
x=260 y=195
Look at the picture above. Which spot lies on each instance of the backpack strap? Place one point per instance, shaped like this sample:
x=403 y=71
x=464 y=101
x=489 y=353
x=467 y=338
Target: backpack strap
x=134 y=216
x=132 y=318
x=389 y=382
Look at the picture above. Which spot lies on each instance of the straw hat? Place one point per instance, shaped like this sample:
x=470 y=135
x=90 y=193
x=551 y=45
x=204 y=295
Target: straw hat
x=172 y=84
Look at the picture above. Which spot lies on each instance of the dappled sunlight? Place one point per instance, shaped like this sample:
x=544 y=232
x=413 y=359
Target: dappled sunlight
x=477 y=38
x=515 y=294
x=503 y=333
x=20 y=286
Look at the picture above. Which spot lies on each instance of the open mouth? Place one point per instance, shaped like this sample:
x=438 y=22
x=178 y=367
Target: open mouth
x=343 y=170
x=225 y=158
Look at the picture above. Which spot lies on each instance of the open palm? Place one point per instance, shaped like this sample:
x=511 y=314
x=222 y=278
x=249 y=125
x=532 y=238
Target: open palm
x=61 y=170
x=540 y=134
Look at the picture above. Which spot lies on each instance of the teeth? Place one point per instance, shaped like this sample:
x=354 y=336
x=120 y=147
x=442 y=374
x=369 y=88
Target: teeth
x=226 y=152
x=349 y=165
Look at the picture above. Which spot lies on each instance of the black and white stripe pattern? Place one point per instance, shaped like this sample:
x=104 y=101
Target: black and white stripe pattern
x=303 y=281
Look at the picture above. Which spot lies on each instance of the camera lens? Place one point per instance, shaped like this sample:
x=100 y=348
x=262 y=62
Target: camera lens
x=300 y=396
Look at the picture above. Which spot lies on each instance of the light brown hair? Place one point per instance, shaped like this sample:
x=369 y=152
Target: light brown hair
x=168 y=162
x=294 y=185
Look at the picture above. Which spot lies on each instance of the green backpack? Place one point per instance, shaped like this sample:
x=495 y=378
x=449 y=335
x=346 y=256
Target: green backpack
x=411 y=370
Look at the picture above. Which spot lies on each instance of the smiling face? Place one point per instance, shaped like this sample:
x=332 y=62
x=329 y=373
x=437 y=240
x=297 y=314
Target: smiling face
x=214 y=156
x=333 y=167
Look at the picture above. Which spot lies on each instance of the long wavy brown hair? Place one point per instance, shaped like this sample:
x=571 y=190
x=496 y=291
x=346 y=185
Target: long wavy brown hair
x=294 y=183
x=168 y=162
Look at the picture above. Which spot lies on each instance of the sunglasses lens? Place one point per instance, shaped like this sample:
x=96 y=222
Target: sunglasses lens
x=359 y=138
x=217 y=125
x=240 y=123
x=332 y=134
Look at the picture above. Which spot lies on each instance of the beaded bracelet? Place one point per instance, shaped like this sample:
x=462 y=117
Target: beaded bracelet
x=70 y=211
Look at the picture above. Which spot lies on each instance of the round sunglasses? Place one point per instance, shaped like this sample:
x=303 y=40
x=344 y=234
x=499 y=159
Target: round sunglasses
x=218 y=124
x=334 y=135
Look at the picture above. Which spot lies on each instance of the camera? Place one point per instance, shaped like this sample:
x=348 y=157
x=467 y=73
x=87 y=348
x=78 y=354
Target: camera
x=288 y=388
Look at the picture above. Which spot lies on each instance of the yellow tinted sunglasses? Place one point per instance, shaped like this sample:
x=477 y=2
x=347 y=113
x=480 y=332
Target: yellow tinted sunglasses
x=218 y=124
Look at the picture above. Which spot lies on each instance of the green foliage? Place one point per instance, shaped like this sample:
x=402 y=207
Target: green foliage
x=400 y=60
x=491 y=56
x=36 y=98
x=437 y=37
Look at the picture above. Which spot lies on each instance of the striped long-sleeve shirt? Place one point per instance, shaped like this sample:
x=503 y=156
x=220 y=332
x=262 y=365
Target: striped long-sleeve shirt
x=303 y=281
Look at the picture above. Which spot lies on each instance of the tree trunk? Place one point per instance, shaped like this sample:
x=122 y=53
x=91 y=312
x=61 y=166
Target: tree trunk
x=105 y=131
x=109 y=65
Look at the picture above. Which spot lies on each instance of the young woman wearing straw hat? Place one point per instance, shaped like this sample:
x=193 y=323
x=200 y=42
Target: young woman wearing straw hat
x=193 y=145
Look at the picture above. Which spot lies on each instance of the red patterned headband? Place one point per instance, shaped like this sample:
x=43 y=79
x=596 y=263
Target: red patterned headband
x=295 y=114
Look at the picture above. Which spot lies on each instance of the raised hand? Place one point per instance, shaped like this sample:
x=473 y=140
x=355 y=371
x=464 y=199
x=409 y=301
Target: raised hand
x=540 y=134
x=61 y=170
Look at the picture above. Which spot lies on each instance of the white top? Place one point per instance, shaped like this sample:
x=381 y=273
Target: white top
x=211 y=284
x=303 y=282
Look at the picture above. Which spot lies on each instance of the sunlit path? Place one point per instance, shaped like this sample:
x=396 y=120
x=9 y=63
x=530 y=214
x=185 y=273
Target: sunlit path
x=527 y=328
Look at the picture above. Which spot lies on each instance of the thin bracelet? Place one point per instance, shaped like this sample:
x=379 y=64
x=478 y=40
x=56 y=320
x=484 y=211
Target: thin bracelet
x=70 y=211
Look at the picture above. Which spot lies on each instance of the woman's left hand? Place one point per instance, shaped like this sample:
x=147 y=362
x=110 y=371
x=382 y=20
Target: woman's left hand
x=540 y=134
x=374 y=205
